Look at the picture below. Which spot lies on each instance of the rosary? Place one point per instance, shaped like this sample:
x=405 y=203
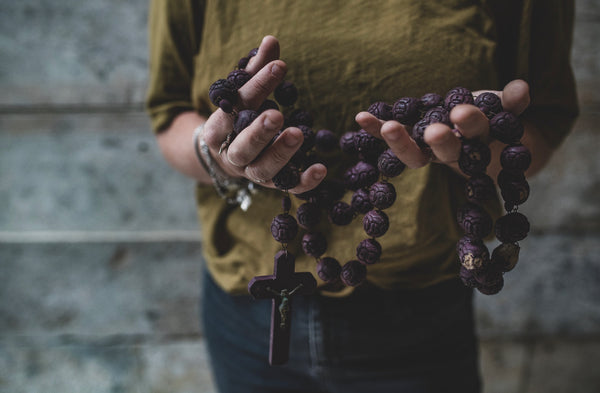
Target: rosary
x=373 y=165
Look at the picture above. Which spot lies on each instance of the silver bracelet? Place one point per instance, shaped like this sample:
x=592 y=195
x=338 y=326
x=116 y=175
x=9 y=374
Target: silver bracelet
x=236 y=191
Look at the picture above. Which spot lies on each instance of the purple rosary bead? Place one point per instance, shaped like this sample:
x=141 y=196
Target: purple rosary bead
x=381 y=110
x=489 y=103
x=479 y=188
x=309 y=138
x=328 y=269
x=353 y=273
x=300 y=117
x=473 y=253
x=514 y=193
x=308 y=215
x=347 y=143
x=512 y=227
x=268 y=104
x=243 y=120
x=223 y=94
x=406 y=110
x=284 y=228
x=505 y=256
x=360 y=175
x=430 y=100
x=515 y=158
x=365 y=142
x=456 y=96
x=341 y=213
x=389 y=164
x=368 y=251
x=382 y=195
x=506 y=127
x=467 y=276
x=325 y=141
x=286 y=93
x=314 y=244
x=474 y=220
x=238 y=78
x=437 y=114
x=418 y=133
x=492 y=288
x=376 y=223
x=474 y=158
x=360 y=201
x=287 y=178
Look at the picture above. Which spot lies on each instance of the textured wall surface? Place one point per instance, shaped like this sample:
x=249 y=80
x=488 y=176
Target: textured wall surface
x=99 y=269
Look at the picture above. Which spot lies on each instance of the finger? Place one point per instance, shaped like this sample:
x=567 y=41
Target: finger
x=515 y=96
x=216 y=129
x=470 y=121
x=403 y=146
x=257 y=89
x=267 y=52
x=369 y=123
x=310 y=178
x=444 y=144
x=253 y=139
x=269 y=163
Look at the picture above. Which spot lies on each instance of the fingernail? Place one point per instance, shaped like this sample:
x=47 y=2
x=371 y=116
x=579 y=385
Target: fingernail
x=290 y=140
x=318 y=175
x=269 y=124
x=277 y=71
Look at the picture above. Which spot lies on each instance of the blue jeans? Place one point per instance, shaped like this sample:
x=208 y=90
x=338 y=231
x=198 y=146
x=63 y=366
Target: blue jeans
x=372 y=341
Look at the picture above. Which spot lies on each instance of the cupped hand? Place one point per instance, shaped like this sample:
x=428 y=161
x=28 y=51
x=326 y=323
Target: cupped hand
x=253 y=154
x=444 y=142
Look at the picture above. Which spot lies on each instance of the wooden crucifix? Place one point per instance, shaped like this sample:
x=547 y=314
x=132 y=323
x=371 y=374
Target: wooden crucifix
x=280 y=287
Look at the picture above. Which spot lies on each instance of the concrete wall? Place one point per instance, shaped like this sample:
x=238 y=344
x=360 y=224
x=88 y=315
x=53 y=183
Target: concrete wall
x=99 y=270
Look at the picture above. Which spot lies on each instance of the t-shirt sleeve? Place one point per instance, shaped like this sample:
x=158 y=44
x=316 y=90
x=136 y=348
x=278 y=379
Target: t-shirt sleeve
x=174 y=33
x=554 y=105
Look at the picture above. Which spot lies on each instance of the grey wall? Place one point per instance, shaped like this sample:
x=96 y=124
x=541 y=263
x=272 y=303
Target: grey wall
x=99 y=270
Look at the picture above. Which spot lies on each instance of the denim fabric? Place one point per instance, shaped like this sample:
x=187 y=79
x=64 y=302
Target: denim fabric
x=372 y=341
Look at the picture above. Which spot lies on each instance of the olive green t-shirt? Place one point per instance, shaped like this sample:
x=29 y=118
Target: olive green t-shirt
x=343 y=56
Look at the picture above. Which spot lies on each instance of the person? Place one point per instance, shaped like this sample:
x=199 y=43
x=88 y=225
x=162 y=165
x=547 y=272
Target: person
x=410 y=327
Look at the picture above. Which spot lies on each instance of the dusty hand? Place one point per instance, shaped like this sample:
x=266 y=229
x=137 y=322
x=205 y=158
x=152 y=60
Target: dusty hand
x=444 y=143
x=251 y=154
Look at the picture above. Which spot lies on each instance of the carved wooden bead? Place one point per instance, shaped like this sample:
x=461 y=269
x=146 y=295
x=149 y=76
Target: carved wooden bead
x=473 y=253
x=381 y=110
x=243 y=120
x=360 y=175
x=505 y=177
x=506 y=127
x=492 y=288
x=489 y=103
x=514 y=193
x=284 y=228
x=309 y=138
x=406 y=110
x=299 y=117
x=389 y=164
x=308 y=215
x=480 y=188
x=376 y=223
x=268 y=104
x=223 y=94
x=347 y=143
x=243 y=62
x=330 y=191
x=325 y=141
x=418 y=133
x=474 y=157
x=382 y=194
x=467 y=276
x=238 y=78
x=328 y=269
x=512 y=227
x=353 y=273
x=314 y=244
x=360 y=201
x=506 y=256
x=368 y=251
x=430 y=100
x=341 y=213
x=287 y=178
x=456 y=96
x=474 y=220
x=515 y=158
x=437 y=114
x=286 y=93
x=365 y=142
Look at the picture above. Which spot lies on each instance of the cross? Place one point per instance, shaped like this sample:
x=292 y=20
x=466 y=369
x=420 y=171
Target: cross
x=280 y=287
